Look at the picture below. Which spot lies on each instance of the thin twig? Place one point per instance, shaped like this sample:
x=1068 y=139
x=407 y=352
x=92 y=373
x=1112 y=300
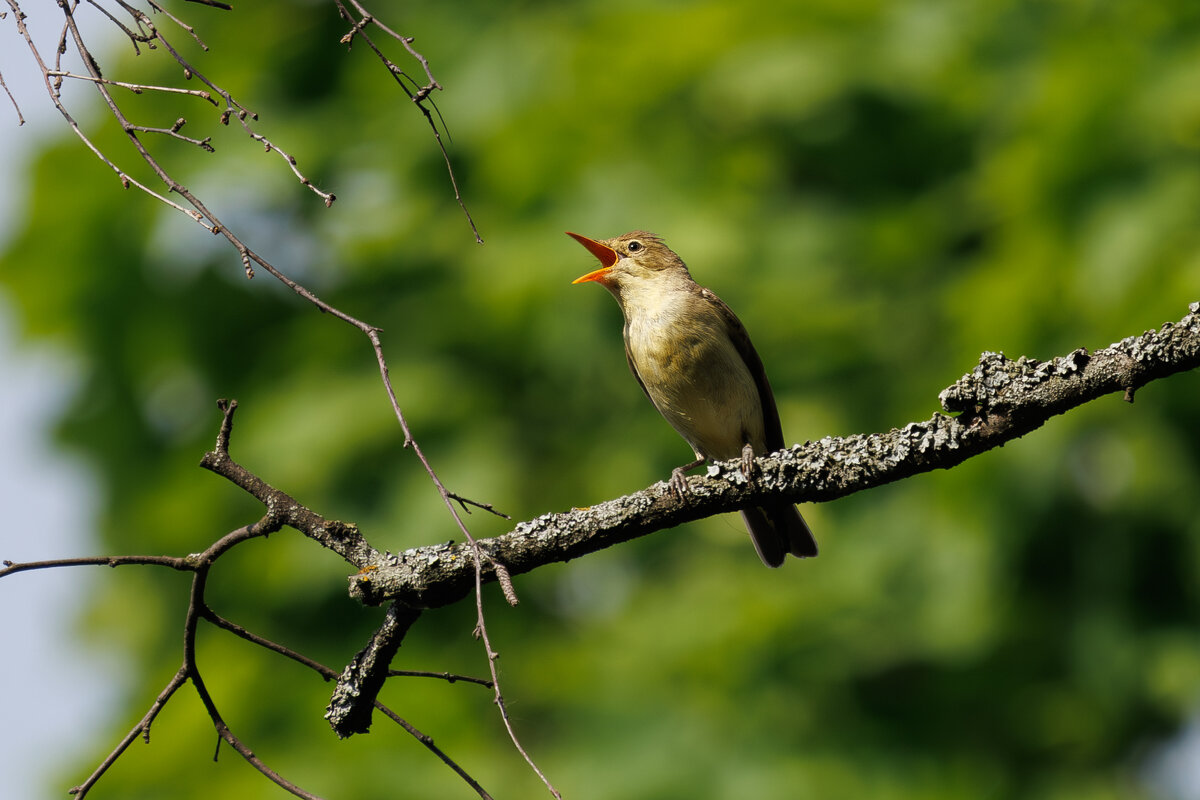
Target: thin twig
x=11 y=99
x=199 y=564
x=465 y=502
x=340 y=537
x=358 y=28
x=142 y=729
x=213 y=3
x=147 y=33
x=474 y=784
x=173 y=131
x=136 y=38
x=181 y=564
x=234 y=108
x=196 y=610
x=449 y=677
x=137 y=88
x=187 y=28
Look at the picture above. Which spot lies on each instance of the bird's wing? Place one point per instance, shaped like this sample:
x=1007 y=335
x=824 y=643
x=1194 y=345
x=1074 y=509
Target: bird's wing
x=772 y=429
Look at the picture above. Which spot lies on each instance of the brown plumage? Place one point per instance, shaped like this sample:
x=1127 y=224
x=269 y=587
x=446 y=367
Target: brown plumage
x=694 y=360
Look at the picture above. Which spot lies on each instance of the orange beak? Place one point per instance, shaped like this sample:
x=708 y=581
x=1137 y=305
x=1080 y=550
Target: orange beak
x=607 y=256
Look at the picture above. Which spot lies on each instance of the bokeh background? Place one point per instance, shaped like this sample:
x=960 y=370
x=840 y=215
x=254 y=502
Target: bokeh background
x=882 y=190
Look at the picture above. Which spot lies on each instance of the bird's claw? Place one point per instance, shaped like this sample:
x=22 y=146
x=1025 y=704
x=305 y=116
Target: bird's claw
x=749 y=467
x=678 y=483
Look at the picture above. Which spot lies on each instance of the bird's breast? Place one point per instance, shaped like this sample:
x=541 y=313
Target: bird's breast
x=696 y=378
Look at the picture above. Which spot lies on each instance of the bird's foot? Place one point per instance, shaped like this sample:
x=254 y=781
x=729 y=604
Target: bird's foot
x=678 y=481
x=749 y=467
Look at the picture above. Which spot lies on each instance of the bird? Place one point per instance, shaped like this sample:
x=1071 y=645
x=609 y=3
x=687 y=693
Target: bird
x=694 y=360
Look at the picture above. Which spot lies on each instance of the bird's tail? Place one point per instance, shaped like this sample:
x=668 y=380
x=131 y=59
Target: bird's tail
x=777 y=530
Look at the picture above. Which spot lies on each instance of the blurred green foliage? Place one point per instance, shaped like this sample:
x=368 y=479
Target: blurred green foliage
x=882 y=190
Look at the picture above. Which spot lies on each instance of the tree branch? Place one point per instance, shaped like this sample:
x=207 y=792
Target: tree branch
x=365 y=675
x=342 y=538
x=1000 y=400
x=371 y=668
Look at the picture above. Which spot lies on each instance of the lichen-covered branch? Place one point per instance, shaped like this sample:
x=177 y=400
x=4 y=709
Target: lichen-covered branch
x=364 y=676
x=1000 y=400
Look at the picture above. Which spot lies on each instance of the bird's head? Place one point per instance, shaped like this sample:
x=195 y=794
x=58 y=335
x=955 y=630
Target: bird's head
x=628 y=259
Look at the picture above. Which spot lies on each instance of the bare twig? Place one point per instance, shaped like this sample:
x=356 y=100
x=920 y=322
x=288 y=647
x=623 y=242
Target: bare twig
x=364 y=676
x=342 y=538
x=140 y=729
x=173 y=132
x=329 y=674
x=233 y=108
x=477 y=562
x=419 y=96
x=465 y=502
x=11 y=99
x=186 y=28
x=134 y=38
x=125 y=179
x=213 y=3
x=181 y=564
x=136 y=88
x=448 y=677
x=429 y=743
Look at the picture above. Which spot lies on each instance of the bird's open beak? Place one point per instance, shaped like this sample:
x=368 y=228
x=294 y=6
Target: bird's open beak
x=607 y=256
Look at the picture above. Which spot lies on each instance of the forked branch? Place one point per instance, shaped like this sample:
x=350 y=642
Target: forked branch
x=998 y=401
x=199 y=565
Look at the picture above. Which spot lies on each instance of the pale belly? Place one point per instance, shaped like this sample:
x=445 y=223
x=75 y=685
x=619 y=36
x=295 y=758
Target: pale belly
x=701 y=386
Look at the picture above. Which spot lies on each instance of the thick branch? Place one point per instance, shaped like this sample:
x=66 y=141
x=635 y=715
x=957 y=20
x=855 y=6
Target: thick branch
x=365 y=675
x=1000 y=400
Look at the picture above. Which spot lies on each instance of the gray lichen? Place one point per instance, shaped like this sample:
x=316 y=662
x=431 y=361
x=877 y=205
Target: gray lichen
x=996 y=378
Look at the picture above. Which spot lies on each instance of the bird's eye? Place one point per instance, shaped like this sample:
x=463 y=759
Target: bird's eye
x=634 y=246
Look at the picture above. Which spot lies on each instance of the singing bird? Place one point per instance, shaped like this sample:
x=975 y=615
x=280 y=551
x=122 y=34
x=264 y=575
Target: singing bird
x=694 y=360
